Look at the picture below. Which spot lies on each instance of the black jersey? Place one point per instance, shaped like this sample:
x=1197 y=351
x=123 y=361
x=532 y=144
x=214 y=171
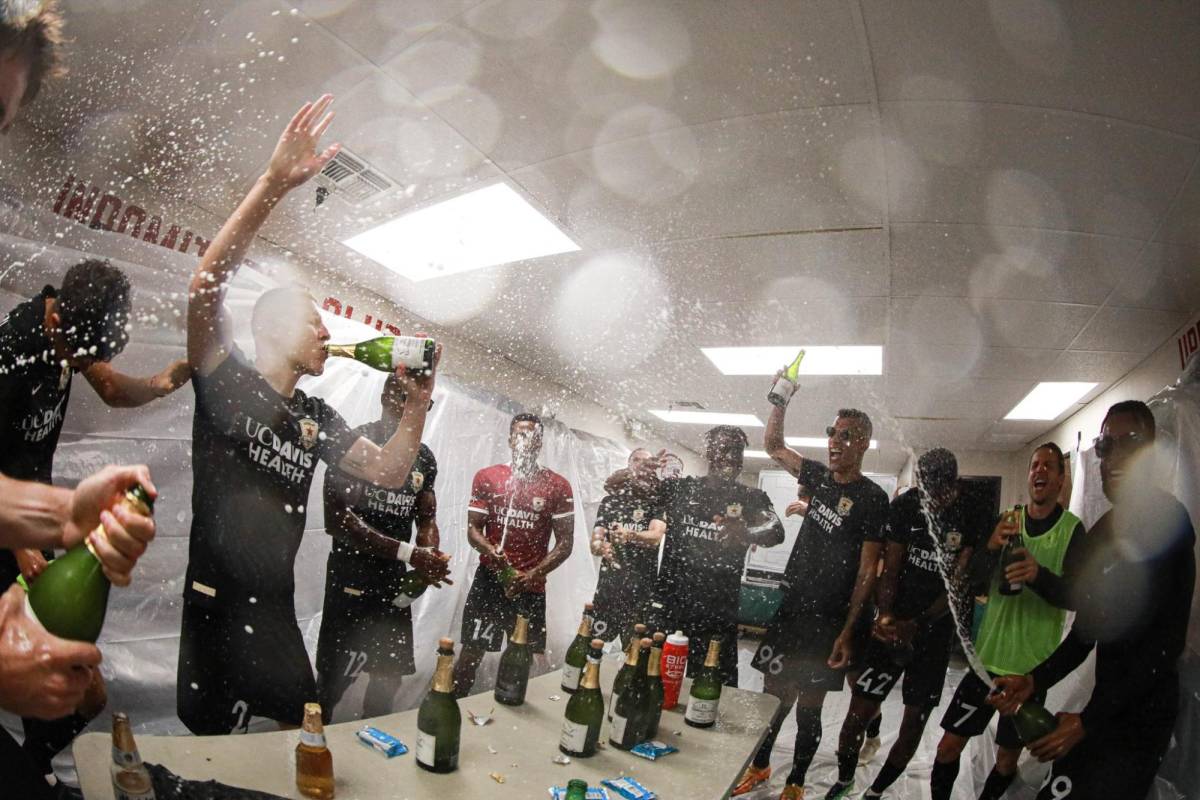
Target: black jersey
x=391 y=512
x=823 y=565
x=638 y=564
x=956 y=527
x=254 y=453
x=701 y=572
x=35 y=388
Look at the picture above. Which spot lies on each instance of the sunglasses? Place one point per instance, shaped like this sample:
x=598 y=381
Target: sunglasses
x=1110 y=445
x=844 y=435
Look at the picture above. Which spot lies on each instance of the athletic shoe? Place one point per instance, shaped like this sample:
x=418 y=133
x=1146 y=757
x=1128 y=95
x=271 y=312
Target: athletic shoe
x=840 y=790
x=868 y=750
x=792 y=792
x=752 y=777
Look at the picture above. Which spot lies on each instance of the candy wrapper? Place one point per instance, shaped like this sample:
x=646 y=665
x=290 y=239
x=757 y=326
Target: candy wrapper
x=653 y=750
x=385 y=743
x=629 y=789
x=593 y=793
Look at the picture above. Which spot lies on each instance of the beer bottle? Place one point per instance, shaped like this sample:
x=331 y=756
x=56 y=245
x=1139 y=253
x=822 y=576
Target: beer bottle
x=439 y=722
x=706 y=690
x=585 y=710
x=627 y=669
x=782 y=391
x=314 y=762
x=1009 y=554
x=513 y=675
x=1032 y=721
x=629 y=714
x=576 y=658
x=576 y=789
x=655 y=693
x=386 y=353
x=130 y=778
x=70 y=597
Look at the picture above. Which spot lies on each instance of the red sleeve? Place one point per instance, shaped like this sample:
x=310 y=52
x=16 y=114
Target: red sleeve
x=565 y=504
x=481 y=493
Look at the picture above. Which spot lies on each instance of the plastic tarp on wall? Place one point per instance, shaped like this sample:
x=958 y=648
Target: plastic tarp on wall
x=467 y=429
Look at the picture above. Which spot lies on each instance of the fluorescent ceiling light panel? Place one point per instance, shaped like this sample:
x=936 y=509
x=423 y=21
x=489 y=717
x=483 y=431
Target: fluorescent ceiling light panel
x=1049 y=399
x=707 y=418
x=483 y=228
x=818 y=360
x=821 y=442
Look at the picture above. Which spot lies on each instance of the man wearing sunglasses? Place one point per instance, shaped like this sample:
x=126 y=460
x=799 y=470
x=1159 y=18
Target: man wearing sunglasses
x=366 y=626
x=1132 y=593
x=818 y=630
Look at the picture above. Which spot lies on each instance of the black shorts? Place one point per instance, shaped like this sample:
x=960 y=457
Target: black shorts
x=361 y=633
x=969 y=713
x=800 y=651
x=240 y=660
x=924 y=675
x=700 y=632
x=614 y=615
x=489 y=616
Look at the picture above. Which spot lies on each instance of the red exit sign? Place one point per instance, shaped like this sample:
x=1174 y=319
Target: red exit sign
x=1188 y=343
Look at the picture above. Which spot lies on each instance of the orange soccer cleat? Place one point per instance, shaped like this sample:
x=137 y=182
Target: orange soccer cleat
x=752 y=777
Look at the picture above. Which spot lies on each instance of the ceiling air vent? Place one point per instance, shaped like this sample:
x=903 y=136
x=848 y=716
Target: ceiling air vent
x=352 y=179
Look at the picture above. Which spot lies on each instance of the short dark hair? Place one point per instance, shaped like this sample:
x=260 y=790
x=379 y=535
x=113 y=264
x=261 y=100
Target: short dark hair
x=525 y=417
x=93 y=309
x=863 y=421
x=33 y=30
x=1136 y=409
x=635 y=451
x=937 y=468
x=728 y=430
x=1058 y=453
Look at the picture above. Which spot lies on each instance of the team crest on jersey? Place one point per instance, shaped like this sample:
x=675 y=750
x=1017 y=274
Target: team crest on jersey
x=844 y=506
x=954 y=539
x=734 y=510
x=639 y=514
x=539 y=503
x=308 y=432
x=418 y=480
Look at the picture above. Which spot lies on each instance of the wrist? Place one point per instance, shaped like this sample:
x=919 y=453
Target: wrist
x=404 y=552
x=274 y=187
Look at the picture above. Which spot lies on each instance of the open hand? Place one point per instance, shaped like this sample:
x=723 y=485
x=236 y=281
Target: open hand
x=296 y=159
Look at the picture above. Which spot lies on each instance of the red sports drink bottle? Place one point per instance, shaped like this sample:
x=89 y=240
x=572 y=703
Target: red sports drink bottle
x=674 y=667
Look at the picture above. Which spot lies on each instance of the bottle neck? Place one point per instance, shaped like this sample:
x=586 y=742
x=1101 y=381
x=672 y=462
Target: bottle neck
x=521 y=632
x=713 y=658
x=443 y=676
x=631 y=657
x=125 y=752
x=591 y=675
x=585 y=627
x=340 y=350
x=654 y=669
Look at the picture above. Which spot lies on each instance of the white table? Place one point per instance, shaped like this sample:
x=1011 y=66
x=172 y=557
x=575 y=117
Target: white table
x=525 y=740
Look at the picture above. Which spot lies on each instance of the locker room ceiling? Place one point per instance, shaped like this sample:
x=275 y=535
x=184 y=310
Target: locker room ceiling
x=997 y=192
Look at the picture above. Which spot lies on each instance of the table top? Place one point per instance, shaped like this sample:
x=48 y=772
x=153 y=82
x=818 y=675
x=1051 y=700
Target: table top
x=520 y=743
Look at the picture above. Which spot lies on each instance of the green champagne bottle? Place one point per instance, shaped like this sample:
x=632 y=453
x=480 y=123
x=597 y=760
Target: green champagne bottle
x=1033 y=721
x=439 y=722
x=577 y=653
x=513 y=676
x=412 y=586
x=783 y=389
x=576 y=789
x=627 y=669
x=1009 y=555
x=585 y=710
x=655 y=693
x=629 y=715
x=386 y=353
x=706 y=690
x=70 y=597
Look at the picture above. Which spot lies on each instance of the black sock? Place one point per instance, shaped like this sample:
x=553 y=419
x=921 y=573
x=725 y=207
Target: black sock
x=847 y=762
x=886 y=777
x=996 y=785
x=873 y=726
x=941 y=782
x=762 y=759
x=808 y=738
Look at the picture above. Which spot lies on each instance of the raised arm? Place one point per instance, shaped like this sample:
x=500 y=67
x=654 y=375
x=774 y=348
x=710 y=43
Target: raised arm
x=119 y=390
x=776 y=447
x=293 y=162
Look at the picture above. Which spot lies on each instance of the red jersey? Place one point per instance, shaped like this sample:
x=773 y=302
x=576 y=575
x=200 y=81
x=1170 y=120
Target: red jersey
x=529 y=507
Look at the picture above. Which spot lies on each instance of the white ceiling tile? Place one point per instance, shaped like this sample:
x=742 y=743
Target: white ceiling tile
x=1090 y=365
x=1166 y=277
x=380 y=29
x=925 y=361
x=1182 y=224
x=1128 y=330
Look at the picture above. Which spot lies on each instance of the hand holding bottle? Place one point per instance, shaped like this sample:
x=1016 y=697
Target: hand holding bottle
x=97 y=501
x=41 y=675
x=1008 y=527
x=31 y=562
x=433 y=565
x=418 y=387
x=1010 y=692
x=1023 y=571
x=1061 y=740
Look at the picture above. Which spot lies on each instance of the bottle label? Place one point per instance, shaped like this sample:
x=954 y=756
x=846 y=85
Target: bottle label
x=408 y=351
x=574 y=736
x=570 y=677
x=426 y=747
x=311 y=738
x=124 y=758
x=403 y=600
x=783 y=389
x=617 y=732
x=699 y=710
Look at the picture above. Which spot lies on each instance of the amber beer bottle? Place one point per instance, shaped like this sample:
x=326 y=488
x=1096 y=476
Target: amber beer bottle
x=706 y=690
x=513 y=676
x=130 y=778
x=314 y=762
x=576 y=658
x=439 y=722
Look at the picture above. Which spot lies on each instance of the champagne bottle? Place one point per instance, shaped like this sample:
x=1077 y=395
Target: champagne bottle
x=576 y=789
x=576 y=658
x=782 y=391
x=1032 y=721
x=411 y=586
x=629 y=715
x=70 y=597
x=1009 y=554
x=439 y=721
x=655 y=693
x=513 y=676
x=627 y=669
x=585 y=710
x=706 y=690
x=130 y=778
x=386 y=353
x=314 y=762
